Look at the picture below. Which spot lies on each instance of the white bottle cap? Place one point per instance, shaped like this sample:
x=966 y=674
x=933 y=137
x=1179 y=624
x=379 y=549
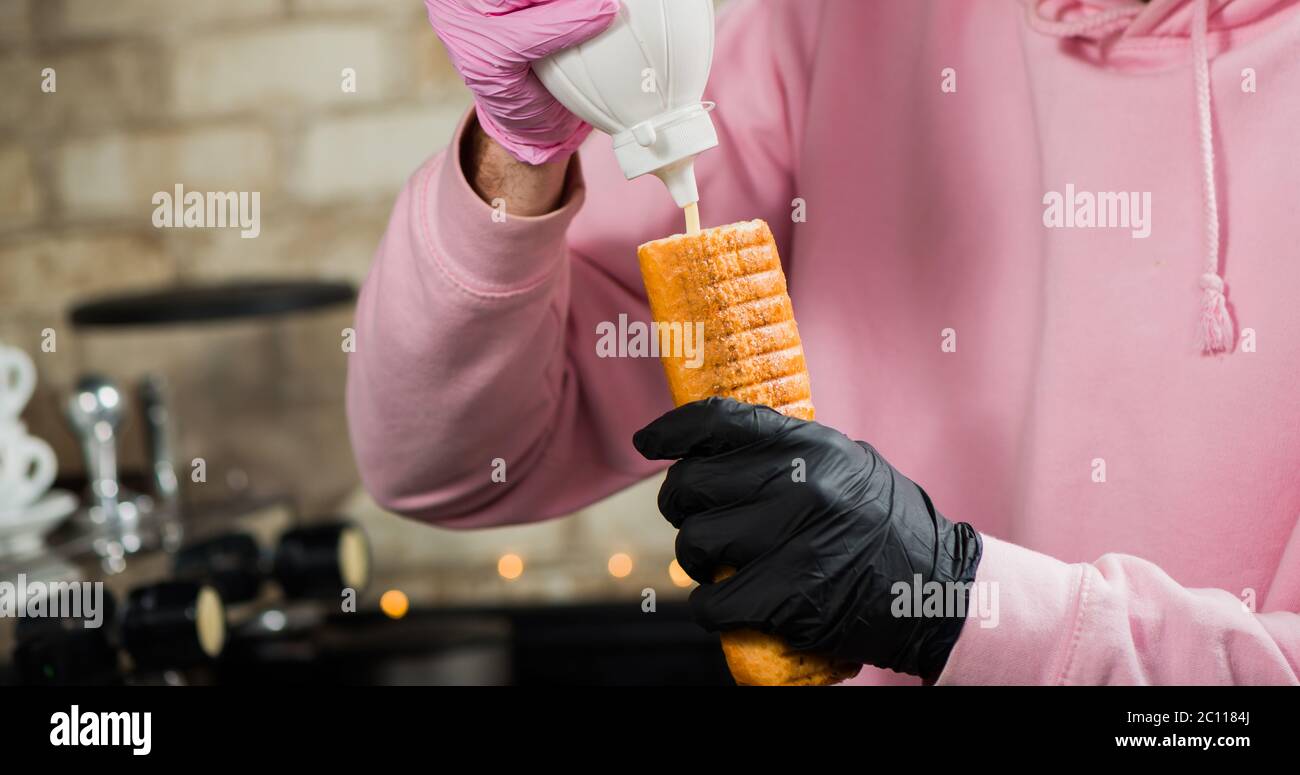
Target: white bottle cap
x=666 y=145
x=640 y=82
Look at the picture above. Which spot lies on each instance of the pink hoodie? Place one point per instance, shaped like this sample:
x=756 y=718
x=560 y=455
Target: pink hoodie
x=1042 y=378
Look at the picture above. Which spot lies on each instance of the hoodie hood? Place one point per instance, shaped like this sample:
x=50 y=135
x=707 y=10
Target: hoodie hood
x=1107 y=27
x=1132 y=19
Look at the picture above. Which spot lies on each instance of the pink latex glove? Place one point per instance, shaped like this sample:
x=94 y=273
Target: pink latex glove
x=493 y=44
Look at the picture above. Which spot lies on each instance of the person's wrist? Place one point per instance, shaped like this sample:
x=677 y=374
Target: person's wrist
x=906 y=634
x=963 y=547
x=500 y=179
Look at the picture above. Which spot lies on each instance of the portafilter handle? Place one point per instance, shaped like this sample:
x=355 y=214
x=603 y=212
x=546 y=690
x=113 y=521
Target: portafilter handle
x=158 y=427
x=159 y=434
x=95 y=411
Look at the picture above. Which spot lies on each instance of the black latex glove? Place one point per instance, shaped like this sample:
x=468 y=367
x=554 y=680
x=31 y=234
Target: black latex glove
x=817 y=559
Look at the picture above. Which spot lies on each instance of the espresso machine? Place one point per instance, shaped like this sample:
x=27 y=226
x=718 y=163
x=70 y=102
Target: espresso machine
x=181 y=569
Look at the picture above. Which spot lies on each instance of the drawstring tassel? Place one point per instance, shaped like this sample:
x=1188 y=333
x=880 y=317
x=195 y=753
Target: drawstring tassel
x=1215 y=330
x=1215 y=334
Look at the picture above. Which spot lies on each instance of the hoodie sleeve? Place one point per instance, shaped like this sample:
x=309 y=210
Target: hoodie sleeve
x=475 y=395
x=1120 y=620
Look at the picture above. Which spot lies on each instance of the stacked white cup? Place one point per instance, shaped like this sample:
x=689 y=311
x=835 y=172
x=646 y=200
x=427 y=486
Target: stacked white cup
x=27 y=464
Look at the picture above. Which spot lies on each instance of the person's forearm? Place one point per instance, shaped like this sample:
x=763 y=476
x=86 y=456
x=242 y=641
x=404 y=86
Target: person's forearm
x=466 y=403
x=1120 y=620
x=499 y=178
x=459 y=353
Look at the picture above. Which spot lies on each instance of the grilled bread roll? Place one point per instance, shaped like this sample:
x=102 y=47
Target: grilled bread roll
x=730 y=279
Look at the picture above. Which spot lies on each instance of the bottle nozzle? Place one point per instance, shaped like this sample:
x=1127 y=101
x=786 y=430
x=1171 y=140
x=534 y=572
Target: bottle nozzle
x=679 y=177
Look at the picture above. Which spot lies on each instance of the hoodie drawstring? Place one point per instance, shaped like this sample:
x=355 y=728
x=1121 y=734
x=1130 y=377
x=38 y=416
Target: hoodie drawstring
x=1215 y=331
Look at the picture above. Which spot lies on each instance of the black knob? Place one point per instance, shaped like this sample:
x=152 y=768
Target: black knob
x=68 y=650
x=321 y=561
x=231 y=564
x=173 y=624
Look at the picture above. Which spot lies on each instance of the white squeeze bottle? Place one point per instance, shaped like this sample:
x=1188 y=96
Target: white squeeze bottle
x=641 y=82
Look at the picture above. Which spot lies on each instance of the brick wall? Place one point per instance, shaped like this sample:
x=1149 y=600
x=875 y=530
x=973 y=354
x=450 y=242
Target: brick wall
x=236 y=95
